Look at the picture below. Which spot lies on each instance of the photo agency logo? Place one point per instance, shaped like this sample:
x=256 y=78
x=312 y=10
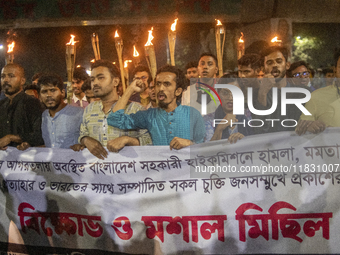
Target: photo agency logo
x=238 y=104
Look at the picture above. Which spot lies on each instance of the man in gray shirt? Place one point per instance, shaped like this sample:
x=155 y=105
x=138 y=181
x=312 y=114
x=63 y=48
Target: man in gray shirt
x=60 y=122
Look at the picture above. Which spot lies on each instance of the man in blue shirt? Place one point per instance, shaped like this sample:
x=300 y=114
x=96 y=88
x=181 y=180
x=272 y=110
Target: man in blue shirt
x=60 y=122
x=169 y=124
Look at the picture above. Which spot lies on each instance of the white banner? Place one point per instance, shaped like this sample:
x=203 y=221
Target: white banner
x=274 y=193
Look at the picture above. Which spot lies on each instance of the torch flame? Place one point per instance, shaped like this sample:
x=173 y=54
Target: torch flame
x=241 y=38
x=71 y=42
x=10 y=47
x=148 y=43
x=218 y=22
x=135 y=52
x=116 y=34
x=275 y=39
x=173 y=26
x=93 y=60
x=126 y=63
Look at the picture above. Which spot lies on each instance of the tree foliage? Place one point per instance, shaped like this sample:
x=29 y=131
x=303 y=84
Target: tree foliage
x=310 y=49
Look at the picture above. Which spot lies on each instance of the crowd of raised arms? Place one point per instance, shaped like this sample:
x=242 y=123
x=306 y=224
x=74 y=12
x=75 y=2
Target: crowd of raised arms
x=165 y=110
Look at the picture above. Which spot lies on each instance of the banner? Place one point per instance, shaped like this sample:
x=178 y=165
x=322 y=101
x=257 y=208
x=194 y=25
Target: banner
x=150 y=200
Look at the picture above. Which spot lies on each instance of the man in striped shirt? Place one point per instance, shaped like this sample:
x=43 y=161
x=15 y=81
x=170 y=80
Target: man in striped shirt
x=95 y=133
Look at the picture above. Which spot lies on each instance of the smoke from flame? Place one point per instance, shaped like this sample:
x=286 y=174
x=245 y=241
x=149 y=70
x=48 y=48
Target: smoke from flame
x=148 y=43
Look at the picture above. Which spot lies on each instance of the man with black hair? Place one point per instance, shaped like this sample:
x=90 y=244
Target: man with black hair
x=35 y=78
x=191 y=70
x=20 y=114
x=207 y=72
x=276 y=64
x=171 y=123
x=60 y=121
x=79 y=77
x=324 y=106
x=298 y=73
x=95 y=133
x=32 y=90
x=142 y=73
x=86 y=88
x=249 y=67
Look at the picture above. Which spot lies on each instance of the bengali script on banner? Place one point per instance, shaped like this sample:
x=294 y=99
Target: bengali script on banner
x=278 y=196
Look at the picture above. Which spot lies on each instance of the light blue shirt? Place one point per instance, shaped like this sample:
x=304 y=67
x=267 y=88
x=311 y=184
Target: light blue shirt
x=62 y=130
x=184 y=122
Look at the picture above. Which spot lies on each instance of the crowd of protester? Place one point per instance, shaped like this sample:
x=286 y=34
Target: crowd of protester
x=160 y=111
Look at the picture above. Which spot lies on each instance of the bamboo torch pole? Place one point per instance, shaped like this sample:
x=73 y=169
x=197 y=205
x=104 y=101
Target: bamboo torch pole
x=240 y=47
x=150 y=55
x=172 y=42
x=119 y=48
x=220 y=35
x=70 y=62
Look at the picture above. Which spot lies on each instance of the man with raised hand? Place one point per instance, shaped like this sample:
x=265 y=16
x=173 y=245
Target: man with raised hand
x=95 y=133
x=171 y=123
x=20 y=114
x=276 y=64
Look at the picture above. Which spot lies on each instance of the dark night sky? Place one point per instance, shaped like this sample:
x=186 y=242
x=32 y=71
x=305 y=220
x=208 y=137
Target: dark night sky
x=43 y=49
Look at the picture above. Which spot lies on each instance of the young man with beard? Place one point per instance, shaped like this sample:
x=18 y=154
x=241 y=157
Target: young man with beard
x=276 y=64
x=95 y=133
x=60 y=121
x=171 y=123
x=20 y=114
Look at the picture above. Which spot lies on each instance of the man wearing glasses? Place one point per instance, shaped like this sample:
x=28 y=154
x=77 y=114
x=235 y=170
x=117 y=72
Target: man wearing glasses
x=299 y=72
x=142 y=73
x=324 y=106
